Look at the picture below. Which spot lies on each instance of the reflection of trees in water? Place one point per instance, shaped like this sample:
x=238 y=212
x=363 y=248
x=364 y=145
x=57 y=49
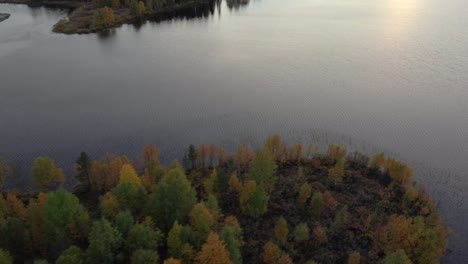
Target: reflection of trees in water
x=201 y=10
x=237 y=4
x=106 y=34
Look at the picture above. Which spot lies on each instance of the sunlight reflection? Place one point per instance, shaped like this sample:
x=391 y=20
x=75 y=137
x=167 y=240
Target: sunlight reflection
x=401 y=17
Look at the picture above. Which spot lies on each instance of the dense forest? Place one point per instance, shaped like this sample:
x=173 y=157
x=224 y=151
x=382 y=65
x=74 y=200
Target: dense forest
x=280 y=204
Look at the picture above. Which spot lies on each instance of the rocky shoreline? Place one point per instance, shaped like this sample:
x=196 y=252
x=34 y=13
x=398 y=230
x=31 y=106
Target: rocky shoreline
x=4 y=16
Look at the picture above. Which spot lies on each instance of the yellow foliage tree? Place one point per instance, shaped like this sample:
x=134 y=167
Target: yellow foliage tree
x=304 y=193
x=354 y=258
x=45 y=174
x=172 y=261
x=337 y=172
x=129 y=175
x=109 y=205
x=234 y=184
x=210 y=185
x=336 y=152
x=281 y=231
x=276 y=148
x=201 y=221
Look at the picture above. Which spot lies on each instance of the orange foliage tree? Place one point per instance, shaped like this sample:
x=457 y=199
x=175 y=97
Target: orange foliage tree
x=105 y=173
x=213 y=252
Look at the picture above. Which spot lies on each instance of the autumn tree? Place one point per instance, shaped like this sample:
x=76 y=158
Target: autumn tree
x=272 y=254
x=172 y=261
x=212 y=154
x=253 y=200
x=354 y=258
x=213 y=252
x=243 y=157
x=45 y=174
x=311 y=151
x=234 y=184
x=281 y=231
x=129 y=175
x=5 y=172
x=398 y=171
x=211 y=184
x=329 y=201
x=103 y=17
x=105 y=172
x=37 y=227
x=220 y=154
x=104 y=243
x=276 y=148
x=72 y=255
x=304 y=193
x=319 y=235
x=336 y=153
x=420 y=241
x=151 y=159
x=295 y=153
x=377 y=161
x=15 y=207
x=109 y=205
x=397 y=257
x=202 y=155
x=201 y=221
x=301 y=233
x=337 y=172
x=262 y=170
x=173 y=199
x=83 y=168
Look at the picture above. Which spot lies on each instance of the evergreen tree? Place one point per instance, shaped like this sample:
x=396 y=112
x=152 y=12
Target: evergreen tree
x=104 y=243
x=173 y=199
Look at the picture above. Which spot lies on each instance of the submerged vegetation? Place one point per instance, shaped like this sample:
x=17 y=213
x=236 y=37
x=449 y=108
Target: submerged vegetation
x=276 y=205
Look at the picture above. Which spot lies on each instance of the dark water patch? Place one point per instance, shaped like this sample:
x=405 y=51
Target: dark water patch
x=4 y=17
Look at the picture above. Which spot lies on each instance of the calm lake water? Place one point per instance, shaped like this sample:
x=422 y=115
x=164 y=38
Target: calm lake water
x=373 y=75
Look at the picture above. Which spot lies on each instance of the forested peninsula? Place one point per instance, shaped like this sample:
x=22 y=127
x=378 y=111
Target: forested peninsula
x=277 y=205
x=99 y=15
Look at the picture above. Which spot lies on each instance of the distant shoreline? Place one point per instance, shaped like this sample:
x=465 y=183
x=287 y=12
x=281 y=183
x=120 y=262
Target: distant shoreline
x=80 y=20
x=4 y=17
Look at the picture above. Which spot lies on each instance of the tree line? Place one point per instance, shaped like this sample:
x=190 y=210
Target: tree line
x=279 y=204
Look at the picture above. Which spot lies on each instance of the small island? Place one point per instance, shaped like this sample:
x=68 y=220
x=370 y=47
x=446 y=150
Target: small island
x=100 y=15
x=279 y=204
x=4 y=16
